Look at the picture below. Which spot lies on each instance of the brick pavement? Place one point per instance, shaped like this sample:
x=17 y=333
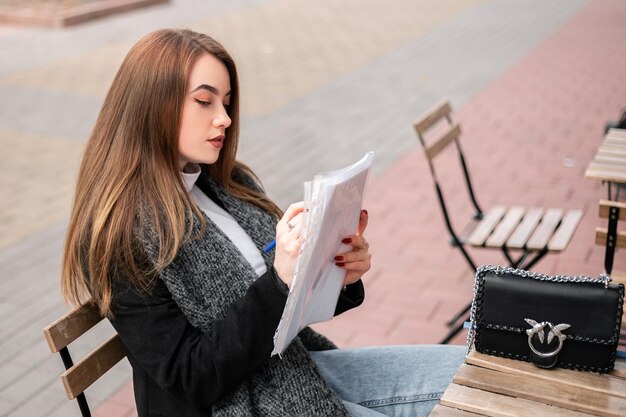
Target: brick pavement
x=528 y=137
x=502 y=64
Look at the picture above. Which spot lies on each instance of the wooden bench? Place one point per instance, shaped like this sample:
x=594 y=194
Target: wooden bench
x=493 y=386
x=78 y=377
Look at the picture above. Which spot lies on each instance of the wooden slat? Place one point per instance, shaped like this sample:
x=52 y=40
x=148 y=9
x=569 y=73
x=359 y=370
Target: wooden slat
x=486 y=226
x=617 y=133
x=601 y=233
x=611 y=152
x=546 y=228
x=610 y=159
x=506 y=227
x=605 y=206
x=487 y=403
x=546 y=392
x=431 y=117
x=598 y=166
x=440 y=144
x=594 y=173
x=614 y=141
x=80 y=376
x=71 y=326
x=442 y=411
x=566 y=229
x=519 y=238
x=604 y=384
x=609 y=147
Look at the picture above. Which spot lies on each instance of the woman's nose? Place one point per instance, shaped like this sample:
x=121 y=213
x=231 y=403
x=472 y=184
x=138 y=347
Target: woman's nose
x=222 y=120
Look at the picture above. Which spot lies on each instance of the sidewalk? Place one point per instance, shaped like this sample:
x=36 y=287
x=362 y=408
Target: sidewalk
x=323 y=82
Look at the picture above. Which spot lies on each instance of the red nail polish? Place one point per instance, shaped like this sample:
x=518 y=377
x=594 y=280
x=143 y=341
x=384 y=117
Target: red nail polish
x=340 y=263
x=347 y=240
x=339 y=258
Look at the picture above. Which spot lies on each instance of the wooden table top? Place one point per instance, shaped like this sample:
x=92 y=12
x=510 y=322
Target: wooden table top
x=609 y=163
x=493 y=386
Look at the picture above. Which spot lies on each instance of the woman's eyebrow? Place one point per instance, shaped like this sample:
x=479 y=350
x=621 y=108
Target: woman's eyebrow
x=208 y=88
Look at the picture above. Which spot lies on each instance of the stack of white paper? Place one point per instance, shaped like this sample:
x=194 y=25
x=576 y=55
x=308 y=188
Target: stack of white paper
x=332 y=203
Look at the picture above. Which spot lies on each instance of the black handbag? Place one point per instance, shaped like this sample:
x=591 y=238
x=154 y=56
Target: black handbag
x=564 y=321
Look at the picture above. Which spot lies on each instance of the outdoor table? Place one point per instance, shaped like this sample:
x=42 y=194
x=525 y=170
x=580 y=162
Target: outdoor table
x=493 y=386
x=609 y=163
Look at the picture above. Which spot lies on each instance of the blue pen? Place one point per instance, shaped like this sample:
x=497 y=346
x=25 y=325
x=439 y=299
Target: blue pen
x=269 y=246
x=272 y=244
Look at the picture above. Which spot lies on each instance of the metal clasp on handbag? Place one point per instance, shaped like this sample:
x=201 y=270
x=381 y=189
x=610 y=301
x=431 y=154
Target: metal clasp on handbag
x=540 y=357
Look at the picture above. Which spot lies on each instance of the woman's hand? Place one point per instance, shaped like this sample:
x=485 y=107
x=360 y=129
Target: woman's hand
x=288 y=242
x=358 y=261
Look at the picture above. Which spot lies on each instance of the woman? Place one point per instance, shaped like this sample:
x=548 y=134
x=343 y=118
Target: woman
x=166 y=236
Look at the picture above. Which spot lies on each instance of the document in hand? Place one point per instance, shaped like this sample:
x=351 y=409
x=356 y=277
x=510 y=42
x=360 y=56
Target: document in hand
x=332 y=206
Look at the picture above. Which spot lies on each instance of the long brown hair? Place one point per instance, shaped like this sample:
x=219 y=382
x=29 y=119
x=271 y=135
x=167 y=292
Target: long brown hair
x=130 y=172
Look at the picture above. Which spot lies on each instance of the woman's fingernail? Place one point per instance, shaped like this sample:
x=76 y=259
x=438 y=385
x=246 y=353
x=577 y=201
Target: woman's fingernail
x=347 y=240
x=365 y=212
x=339 y=258
x=340 y=263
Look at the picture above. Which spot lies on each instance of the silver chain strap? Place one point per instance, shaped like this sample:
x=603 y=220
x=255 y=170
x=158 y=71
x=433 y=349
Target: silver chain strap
x=603 y=279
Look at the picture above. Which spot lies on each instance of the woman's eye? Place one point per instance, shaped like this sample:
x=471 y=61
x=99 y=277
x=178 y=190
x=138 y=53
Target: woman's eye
x=203 y=103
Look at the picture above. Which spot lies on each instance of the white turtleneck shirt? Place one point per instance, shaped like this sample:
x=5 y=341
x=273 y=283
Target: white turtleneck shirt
x=224 y=221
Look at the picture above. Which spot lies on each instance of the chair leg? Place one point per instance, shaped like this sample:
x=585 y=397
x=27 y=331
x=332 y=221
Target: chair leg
x=82 y=404
x=453 y=332
x=80 y=398
x=459 y=314
x=543 y=252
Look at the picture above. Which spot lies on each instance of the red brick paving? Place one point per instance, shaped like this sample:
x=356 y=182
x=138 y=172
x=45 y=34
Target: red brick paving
x=521 y=134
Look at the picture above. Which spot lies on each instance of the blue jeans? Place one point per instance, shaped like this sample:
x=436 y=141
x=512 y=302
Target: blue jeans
x=390 y=380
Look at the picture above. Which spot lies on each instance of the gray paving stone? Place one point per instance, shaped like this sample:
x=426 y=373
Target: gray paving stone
x=41 y=404
x=34 y=355
x=455 y=60
x=31 y=253
x=44 y=45
x=39 y=312
x=68 y=409
x=7 y=309
x=28 y=385
x=54 y=115
x=5 y=406
x=10 y=372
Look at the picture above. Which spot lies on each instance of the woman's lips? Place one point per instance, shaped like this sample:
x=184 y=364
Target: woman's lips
x=217 y=141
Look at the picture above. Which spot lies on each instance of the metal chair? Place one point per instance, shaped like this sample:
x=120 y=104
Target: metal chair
x=534 y=231
x=78 y=377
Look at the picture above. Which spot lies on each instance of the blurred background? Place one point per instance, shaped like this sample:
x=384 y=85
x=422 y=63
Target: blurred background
x=533 y=84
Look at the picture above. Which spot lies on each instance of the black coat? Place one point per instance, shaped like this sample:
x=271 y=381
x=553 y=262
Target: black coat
x=182 y=368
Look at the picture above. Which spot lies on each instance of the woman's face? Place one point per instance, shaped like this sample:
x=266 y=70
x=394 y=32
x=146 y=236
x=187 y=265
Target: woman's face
x=205 y=117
